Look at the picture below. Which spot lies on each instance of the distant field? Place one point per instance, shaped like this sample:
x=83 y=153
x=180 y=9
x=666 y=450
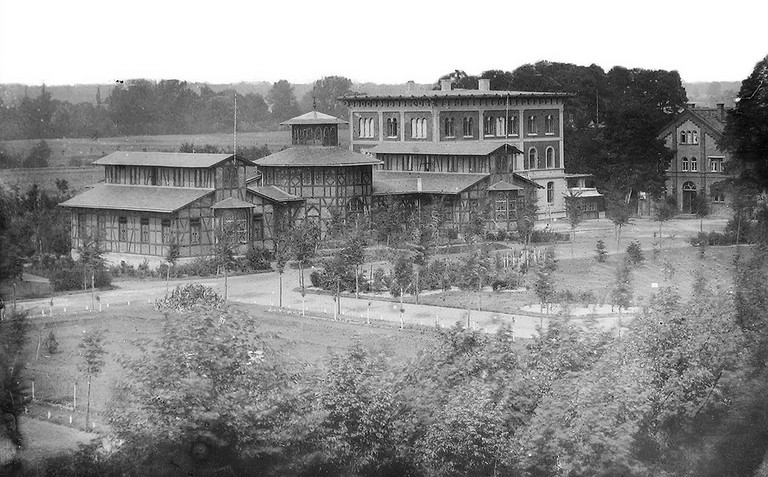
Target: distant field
x=66 y=152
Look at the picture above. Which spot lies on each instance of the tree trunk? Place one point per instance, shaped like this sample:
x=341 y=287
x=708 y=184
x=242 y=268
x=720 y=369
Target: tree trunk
x=226 y=277
x=88 y=405
x=280 y=293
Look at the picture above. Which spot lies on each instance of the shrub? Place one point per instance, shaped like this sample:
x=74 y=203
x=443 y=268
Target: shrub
x=259 y=259
x=190 y=297
x=315 y=279
x=635 y=253
x=548 y=236
x=50 y=343
x=602 y=253
x=67 y=279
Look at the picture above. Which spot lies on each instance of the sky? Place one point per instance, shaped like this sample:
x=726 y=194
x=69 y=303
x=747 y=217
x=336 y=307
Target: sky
x=383 y=41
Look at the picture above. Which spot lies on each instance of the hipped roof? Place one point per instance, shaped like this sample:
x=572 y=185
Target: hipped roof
x=313 y=117
x=274 y=194
x=459 y=148
x=312 y=156
x=403 y=182
x=136 y=198
x=165 y=159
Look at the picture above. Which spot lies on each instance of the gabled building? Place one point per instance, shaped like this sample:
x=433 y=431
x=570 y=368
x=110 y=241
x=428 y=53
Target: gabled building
x=468 y=146
x=698 y=166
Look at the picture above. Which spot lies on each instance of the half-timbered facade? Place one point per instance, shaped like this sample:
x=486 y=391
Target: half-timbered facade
x=150 y=200
x=513 y=139
x=332 y=182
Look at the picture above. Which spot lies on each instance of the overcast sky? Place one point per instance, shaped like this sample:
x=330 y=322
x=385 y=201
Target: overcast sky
x=381 y=41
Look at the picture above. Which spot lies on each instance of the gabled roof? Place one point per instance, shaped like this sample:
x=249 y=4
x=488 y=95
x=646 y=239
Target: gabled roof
x=316 y=156
x=706 y=118
x=136 y=198
x=458 y=148
x=313 y=117
x=402 y=182
x=232 y=203
x=274 y=194
x=165 y=159
x=504 y=185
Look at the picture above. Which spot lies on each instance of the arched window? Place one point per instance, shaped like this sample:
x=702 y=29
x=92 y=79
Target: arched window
x=694 y=165
x=501 y=126
x=468 y=127
x=550 y=192
x=685 y=164
x=695 y=136
x=514 y=125
x=689 y=186
x=682 y=137
x=532 y=126
x=549 y=124
x=450 y=131
x=550 y=158
x=391 y=127
x=531 y=158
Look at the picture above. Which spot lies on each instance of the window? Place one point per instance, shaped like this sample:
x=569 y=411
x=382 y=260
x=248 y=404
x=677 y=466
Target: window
x=230 y=177
x=719 y=198
x=425 y=163
x=488 y=126
x=165 y=226
x=685 y=164
x=682 y=137
x=392 y=127
x=695 y=137
x=715 y=164
x=419 y=128
x=449 y=129
x=550 y=158
x=452 y=164
x=501 y=164
x=501 y=126
x=514 y=125
x=122 y=229
x=242 y=225
x=550 y=192
x=407 y=163
x=549 y=124
x=81 y=231
x=365 y=127
x=194 y=231
x=101 y=227
x=468 y=127
x=144 y=230
x=258 y=227
x=694 y=165
x=532 y=126
x=531 y=158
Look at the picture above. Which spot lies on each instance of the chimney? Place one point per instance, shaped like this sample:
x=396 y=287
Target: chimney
x=483 y=84
x=445 y=85
x=419 y=187
x=410 y=87
x=721 y=110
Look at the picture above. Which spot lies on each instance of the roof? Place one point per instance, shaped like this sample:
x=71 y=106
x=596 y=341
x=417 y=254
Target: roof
x=274 y=194
x=504 y=185
x=164 y=159
x=232 y=203
x=458 y=93
x=585 y=192
x=577 y=175
x=300 y=156
x=313 y=117
x=402 y=182
x=709 y=118
x=458 y=148
x=138 y=198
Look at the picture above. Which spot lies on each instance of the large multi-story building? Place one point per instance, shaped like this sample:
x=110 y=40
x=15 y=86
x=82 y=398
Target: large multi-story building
x=698 y=166
x=473 y=144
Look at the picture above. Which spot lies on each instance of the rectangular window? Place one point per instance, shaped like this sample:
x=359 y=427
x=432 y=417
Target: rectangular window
x=166 y=230
x=242 y=226
x=452 y=164
x=514 y=126
x=715 y=165
x=194 y=231
x=81 y=226
x=549 y=124
x=258 y=227
x=426 y=164
x=122 y=229
x=144 y=230
x=488 y=126
x=501 y=126
x=101 y=226
x=533 y=127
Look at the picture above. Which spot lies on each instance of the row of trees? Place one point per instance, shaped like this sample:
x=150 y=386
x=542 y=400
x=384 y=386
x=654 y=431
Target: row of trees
x=164 y=107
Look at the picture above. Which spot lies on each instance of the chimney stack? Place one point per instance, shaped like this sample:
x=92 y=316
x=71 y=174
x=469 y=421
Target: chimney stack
x=410 y=86
x=445 y=85
x=721 y=110
x=483 y=84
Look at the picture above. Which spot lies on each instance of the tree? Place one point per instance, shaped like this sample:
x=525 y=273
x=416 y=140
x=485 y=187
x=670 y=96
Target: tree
x=353 y=255
x=621 y=294
x=91 y=257
x=602 y=253
x=459 y=80
x=13 y=394
x=665 y=210
x=575 y=211
x=746 y=135
x=283 y=101
x=618 y=210
x=304 y=239
x=526 y=216
x=38 y=156
x=92 y=353
x=224 y=256
x=701 y=206
x=324 y=96
x=171 y=257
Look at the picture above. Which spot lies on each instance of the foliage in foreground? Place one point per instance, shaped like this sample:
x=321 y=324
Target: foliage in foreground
x=190 y=297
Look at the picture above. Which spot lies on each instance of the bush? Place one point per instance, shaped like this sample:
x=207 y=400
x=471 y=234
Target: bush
x=50 y=343
x=602 y=253
x=635 y=254
x=259 y=259
x=67 y=279
x=190 y=297
x=199 y=267
x=548 y=236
